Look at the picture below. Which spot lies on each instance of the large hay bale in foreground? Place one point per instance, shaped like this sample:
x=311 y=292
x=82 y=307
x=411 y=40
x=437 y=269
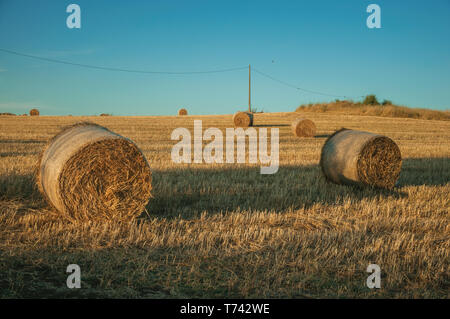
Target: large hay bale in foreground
x=243 y=119
x=303 y=128
x=87 y=171
x=182 y=112
x=362 y=158
x=34 y=112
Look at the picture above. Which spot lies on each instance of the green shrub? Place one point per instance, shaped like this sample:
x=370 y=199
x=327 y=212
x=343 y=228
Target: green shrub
x=371 y=99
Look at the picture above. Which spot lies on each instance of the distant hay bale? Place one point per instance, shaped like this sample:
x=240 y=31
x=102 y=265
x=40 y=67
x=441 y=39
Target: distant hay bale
x=303 y=128
x=182 y=112
x=105 y=114
x=243 y=119
x=87 y=172
x=361 y=158
x=24 y=114
x=34 y=112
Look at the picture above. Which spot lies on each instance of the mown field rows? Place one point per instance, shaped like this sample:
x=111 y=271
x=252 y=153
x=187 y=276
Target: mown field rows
x=225 y=230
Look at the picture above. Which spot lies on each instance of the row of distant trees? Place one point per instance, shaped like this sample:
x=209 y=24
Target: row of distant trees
x=371 y=99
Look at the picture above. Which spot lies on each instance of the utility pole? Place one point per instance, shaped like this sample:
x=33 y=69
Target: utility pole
x=249 y=90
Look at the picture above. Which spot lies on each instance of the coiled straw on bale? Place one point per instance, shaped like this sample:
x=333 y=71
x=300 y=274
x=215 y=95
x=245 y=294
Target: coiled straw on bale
x=362 y=158
x=303 y=128
x=243 y=119
x=182 y=112
x=87 y=171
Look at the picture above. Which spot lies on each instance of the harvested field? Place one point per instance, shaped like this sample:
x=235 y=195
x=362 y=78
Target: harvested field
x=225 y=230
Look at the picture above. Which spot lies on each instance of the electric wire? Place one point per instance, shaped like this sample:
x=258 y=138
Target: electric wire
x=115 y=69
x=299 y=88
x=168 y=72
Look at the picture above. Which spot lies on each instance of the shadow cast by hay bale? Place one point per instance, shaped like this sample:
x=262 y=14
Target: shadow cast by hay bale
x=425 y=171
x=271 y=125
x=14 y=186
x=22 y=141
x=13 y=154
x=214 y=191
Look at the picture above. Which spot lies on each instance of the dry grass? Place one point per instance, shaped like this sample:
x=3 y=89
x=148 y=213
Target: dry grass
x=351 y=108
x=217 y=230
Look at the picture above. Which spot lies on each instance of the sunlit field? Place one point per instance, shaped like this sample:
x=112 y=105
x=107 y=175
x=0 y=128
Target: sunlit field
x=225 y=230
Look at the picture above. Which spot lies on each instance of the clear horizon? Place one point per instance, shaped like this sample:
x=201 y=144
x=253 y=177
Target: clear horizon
x=323 y=46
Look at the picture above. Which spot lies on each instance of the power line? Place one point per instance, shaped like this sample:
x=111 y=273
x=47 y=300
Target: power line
x=114 y=69
x=299 y=88
x=163 y=72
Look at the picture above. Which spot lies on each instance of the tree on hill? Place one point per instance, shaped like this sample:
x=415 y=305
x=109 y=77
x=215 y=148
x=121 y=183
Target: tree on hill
x=371 y=99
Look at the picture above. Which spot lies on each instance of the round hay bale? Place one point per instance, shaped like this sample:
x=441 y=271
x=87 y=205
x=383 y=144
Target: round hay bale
x=361 y=158
x=182 y=112
x=34 y=112
x=243 y=119
x=303 y=128
x=86 y=171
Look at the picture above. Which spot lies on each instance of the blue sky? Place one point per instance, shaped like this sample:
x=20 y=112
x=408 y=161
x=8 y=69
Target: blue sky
x=320 y=45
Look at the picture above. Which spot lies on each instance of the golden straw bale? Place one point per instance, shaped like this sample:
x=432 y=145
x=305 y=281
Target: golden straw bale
x=243 y=119
x=361 y=158
x=303 y=128
x=87 y=171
